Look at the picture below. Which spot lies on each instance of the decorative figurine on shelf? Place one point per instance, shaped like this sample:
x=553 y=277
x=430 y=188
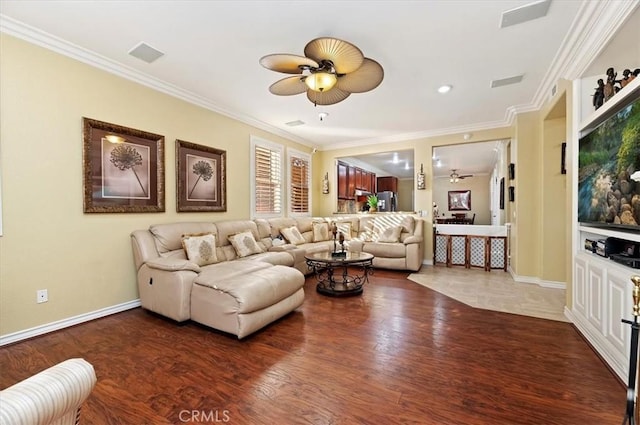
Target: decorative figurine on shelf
x=341 y=239
x=610 y=87
x=627 y=77
x=598 y=96
x=636 y=72
x=435 y=210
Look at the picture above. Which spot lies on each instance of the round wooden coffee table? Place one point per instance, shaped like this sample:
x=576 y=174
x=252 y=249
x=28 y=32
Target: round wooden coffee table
x=333 y=272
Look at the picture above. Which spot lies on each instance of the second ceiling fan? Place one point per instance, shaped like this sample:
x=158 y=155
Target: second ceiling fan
x=454 y=177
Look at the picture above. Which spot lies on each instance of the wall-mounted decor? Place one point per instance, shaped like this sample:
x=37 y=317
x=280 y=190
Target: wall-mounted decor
x=325 y=184
x=512 y=171
x=502 y=193
x=563 y=159
x=123 y=169
x=512 y=194
x=459 y=200
x=420 y=181
x=201 y=178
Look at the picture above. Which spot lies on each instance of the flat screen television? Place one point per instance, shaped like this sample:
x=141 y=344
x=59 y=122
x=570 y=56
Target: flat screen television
x=609 y=171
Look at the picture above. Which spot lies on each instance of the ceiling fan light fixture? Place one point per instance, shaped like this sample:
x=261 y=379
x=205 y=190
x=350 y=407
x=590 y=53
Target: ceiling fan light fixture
x=321 y=81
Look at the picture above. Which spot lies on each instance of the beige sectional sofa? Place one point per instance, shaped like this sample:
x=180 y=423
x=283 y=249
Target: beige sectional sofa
x=240 y=275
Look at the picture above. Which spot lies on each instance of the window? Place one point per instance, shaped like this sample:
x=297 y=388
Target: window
x=266 y=178
x=299 y=182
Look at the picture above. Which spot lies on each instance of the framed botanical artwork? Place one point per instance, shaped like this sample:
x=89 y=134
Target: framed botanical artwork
x=459 y=200
x=123 y=169
x=201 y=174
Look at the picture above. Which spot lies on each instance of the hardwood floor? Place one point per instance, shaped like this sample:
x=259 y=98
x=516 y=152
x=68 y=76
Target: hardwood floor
x=399 y=354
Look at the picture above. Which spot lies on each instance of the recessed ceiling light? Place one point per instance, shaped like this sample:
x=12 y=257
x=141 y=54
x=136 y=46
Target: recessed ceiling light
x=444 y=89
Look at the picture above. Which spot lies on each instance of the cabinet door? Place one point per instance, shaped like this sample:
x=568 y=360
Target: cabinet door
x=351 y=183
x=595 y=296
x=373 y=183
x=619 y=300
x=580 y=287
x=387 y=183
x=359 y=184
x=342 y=180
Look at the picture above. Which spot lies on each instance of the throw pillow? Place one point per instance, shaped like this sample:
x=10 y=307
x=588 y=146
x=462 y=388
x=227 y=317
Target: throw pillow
x=292 y=235
x=245 y=244
x=344 y=227
x=200 y=249
x=391 y=235
x=320 y=232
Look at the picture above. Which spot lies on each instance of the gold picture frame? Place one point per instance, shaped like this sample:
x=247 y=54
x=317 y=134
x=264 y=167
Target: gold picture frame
x=123 y=169
x=201 y=178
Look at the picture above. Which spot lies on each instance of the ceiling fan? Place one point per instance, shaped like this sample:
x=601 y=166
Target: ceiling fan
x=455 y=177
x=330 y=70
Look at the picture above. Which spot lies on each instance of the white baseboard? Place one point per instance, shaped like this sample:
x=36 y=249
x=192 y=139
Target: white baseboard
x=537 y=281
x=427 y=262
x=65 y=323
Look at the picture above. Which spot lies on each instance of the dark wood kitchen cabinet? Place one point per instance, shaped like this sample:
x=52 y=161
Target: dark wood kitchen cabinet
x=387 y=183
x=342 y=180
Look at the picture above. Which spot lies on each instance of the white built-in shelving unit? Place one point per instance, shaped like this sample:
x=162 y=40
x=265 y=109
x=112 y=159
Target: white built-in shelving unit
x=602 y=289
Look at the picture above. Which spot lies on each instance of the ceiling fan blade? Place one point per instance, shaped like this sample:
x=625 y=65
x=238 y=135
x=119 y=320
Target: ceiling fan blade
x=330 y=97
x=288 y=86
x=367 y=77
x=345 y=56
x=289 y=64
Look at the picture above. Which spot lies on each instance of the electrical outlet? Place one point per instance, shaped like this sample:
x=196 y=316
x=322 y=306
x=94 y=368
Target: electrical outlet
x=42 y=296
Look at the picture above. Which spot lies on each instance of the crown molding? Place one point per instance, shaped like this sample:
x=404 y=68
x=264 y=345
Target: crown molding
x=41 y=38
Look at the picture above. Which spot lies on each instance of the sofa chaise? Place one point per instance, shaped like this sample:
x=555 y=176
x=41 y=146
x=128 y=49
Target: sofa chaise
x=238 y=276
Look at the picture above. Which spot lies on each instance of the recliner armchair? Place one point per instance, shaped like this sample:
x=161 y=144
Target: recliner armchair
x=53 y=396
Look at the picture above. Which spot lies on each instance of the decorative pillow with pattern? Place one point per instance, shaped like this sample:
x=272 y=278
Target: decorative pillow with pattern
x=292 y=235
x=391 y=235
x=321 y=232
x=200 y=249
x=245 y=244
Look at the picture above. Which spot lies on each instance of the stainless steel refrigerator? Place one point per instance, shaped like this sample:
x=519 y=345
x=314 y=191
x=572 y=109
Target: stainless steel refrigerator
x=387 y=201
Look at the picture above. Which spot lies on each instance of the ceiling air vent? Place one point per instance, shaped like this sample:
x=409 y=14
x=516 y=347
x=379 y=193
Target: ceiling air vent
x=145 y=52
x=525 y=13
x=295 y=123
x=506 y=81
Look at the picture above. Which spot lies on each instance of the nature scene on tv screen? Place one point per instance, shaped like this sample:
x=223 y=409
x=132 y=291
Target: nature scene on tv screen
x=609 y=171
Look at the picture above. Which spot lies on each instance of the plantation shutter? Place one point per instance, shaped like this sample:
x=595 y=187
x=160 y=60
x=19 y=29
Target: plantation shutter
x=299 y=169
x=268 y=172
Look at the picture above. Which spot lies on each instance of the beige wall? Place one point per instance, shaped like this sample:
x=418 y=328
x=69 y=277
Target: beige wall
x=405 y=194
x=554 y=209
x=85 y=260
x=480 y=197
x=525 y=211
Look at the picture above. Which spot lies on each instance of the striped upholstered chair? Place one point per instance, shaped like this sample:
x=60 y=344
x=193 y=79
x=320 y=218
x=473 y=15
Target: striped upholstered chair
x=53 y=396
